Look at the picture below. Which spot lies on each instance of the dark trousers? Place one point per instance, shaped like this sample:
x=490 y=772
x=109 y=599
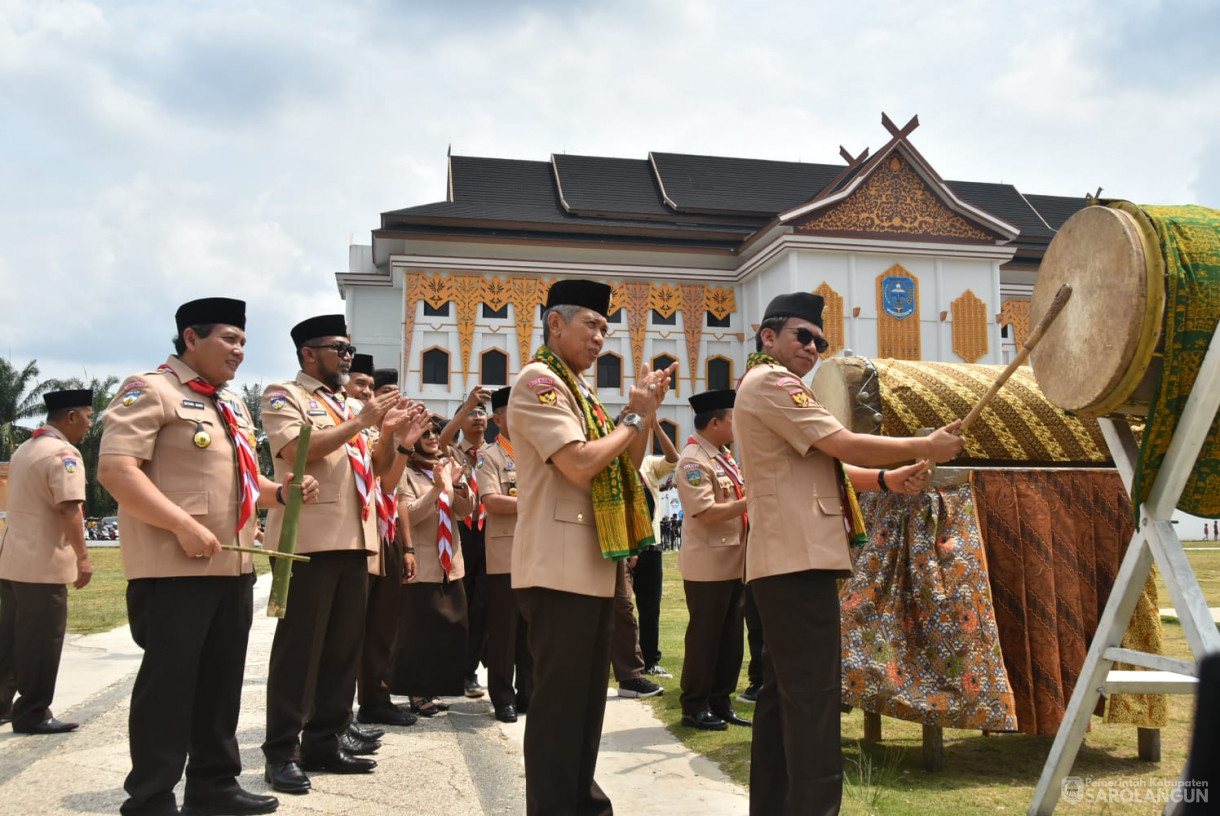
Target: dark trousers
x=625 y=654
x=33 y=618
x=315 y=656
x=508 y=649
x=187 y=694
x=713 y=645
x=380 y=629
x=569 y=637
x=474 y=553
x=754 y=639
x=647 y=579
x=796 y=764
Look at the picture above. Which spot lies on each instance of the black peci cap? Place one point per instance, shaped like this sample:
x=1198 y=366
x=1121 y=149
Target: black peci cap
x=211 y=310
x=576 y=292
x=74 y=398
x=362 y=364
x=805 y=305
x=499 y=398
x=712 y=400
x=384 y=376
x=333 y=325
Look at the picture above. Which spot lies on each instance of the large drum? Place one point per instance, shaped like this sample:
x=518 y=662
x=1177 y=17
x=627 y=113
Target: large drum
x=898 y=397
x=1102 y=356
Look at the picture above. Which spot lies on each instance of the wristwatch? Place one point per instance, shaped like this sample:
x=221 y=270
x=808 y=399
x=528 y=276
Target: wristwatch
x=633 y=420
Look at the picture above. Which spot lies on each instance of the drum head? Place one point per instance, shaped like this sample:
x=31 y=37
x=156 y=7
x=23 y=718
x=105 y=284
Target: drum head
x=830 y=387
x=1096 y=352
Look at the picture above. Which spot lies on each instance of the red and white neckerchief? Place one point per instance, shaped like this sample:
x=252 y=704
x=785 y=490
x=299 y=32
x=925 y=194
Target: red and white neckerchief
x=387 y=513
x=739 y=482
x=44 y=432
x=247 y=460
x=444 y=525
x=474 y=488
x=357 y=448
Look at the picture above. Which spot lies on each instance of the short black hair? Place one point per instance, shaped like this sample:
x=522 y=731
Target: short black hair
x=60 y=414
x=703 y=419
x=203 y=330
x=775 y=324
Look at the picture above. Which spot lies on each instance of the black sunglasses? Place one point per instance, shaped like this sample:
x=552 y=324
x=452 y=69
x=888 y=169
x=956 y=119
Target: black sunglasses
x=430 y=432
x=339 y=348
x=805 y=337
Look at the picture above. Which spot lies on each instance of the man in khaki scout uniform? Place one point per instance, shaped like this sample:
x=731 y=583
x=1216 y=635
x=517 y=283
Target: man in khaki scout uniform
x=178 y=453
x=712 y=561
x=386 y=574
x=797 y=548
x=41 y=550
x=315 y=655
x=563 y=570
x=508 y=651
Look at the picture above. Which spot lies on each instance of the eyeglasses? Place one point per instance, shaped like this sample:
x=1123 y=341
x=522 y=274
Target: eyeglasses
x=805 y=337
x=342 y=349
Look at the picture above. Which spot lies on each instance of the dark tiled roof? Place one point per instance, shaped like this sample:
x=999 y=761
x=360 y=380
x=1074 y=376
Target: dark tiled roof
x=1002 y=201
x=1056 y=209
x=596 y=185
x=713 y=183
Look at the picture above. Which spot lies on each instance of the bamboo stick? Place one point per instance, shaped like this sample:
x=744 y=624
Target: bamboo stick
x=268 y=553
x=277 y=604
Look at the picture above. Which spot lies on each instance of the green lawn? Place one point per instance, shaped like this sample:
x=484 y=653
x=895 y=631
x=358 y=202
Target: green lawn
x=983 y=774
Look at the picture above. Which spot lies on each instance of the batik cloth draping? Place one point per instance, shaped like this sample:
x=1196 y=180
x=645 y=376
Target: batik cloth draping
x=1054 y=542
x=1019 y=425
x=1190 y=243
x=919 y=634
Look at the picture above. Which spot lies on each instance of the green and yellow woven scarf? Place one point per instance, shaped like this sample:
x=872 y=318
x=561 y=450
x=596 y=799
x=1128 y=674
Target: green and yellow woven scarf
x=857 y=535
x=619 y=507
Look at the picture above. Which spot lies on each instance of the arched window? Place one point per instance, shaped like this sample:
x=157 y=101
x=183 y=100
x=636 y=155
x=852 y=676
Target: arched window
x=719 y=373
x=609 y=371
x=493 y=368
x=665 y=361
x=435 y=366
x=441 y=311
x=671 y=430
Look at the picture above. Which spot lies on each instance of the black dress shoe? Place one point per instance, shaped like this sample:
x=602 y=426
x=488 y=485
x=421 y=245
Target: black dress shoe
x=387 y=713
x=340 y=762
x=286 y=777
x=705 y=721
x=506 y=714
x=731 y=718
x=236 y=802
x=48 y=726
x=365 y=734
x=356 y=746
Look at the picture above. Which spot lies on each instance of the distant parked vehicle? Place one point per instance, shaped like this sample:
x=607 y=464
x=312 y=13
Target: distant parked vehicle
x=110 y=528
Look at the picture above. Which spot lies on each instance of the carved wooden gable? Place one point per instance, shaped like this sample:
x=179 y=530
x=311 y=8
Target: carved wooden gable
x=895 y=202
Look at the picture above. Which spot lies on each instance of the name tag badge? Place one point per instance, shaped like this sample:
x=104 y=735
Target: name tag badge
x=316 y=413
x=190 y=403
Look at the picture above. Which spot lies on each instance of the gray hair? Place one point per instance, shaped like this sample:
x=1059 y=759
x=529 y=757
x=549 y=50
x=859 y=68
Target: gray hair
x=775 y=324
x=565 y=310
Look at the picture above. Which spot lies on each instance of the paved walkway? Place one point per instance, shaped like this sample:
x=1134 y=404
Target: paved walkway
x=463 y=763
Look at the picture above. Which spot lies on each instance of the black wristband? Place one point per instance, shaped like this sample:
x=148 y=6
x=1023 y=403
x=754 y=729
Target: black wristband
x=881 y=481
x=409 y=551
x=403 y=451
x=279 y=494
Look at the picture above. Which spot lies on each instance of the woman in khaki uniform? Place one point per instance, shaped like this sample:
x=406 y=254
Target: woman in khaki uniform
x=430 y=653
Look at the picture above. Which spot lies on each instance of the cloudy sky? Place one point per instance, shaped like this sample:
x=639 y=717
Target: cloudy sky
x=153 y=151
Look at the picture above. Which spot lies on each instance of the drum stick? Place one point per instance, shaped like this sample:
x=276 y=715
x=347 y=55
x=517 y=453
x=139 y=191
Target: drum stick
x=277 y=604
x=1061 y=298
x=268 y=553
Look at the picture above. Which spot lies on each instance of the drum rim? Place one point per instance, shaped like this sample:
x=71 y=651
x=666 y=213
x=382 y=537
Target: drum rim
x=1154 y=310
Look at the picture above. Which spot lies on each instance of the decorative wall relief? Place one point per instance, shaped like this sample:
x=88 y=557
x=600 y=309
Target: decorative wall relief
x=637 y=301
x=694 y=296
x=1015 y=314
x=526 y=295
x=468 y=296
x=970 y=335
x=833 y=327
x=898 y=329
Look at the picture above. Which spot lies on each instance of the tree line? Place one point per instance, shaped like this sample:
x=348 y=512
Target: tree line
x=22 y=410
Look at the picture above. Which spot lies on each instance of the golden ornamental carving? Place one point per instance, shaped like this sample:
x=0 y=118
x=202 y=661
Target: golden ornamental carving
x=636 y=301
x=665 y=299
x=969 y=327
x=437 y=290
x=895 y=201
x=412 y=294
x=833 y=328
x=618 y=296
x=694 y=298
x=495 y=293
x=1015 y=313
x=468 y=295
x=526 y=294
x=721 y=302
x=898 y=337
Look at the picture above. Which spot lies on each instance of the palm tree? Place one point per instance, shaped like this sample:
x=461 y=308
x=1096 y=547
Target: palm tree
x=252 y=396
x=16 y=404
x=98 y=501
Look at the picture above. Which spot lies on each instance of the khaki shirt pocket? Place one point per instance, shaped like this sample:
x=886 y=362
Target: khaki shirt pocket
x=194 y=503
